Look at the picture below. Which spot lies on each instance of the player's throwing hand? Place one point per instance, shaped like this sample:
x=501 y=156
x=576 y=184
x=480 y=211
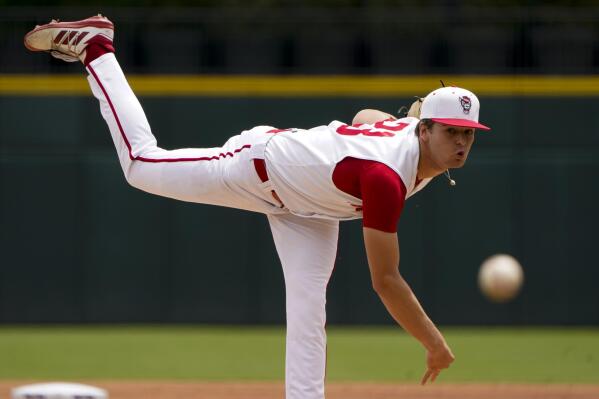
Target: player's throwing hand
x=437 y=360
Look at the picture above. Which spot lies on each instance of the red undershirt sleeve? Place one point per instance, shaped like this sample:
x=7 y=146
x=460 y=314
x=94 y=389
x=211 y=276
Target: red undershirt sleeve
x=383 y=197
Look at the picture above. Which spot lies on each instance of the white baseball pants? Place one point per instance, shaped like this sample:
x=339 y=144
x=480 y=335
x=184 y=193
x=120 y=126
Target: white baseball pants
x=225 y=176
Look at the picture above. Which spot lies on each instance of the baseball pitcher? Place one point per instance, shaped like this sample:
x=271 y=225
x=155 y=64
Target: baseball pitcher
x=304 y=181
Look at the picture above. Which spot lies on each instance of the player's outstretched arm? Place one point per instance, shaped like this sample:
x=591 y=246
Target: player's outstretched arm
x=371 y=116
x=382 y=249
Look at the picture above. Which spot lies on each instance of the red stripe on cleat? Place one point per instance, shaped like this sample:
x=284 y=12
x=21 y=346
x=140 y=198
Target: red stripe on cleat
x=59 y=36
x=72 y=35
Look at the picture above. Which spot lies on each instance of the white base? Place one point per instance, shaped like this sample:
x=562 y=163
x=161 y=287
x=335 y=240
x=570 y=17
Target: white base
x=58 y=390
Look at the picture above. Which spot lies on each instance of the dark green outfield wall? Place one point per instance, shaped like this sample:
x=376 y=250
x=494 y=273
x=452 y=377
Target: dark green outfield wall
x=79 y=245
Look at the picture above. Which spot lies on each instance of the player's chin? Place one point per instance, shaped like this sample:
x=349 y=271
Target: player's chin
x=456 y=163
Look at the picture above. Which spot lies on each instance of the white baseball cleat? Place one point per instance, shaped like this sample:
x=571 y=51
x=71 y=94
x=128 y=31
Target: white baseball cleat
x=68 y=40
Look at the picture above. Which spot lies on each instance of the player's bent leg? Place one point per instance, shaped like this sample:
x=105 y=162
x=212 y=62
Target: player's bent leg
x=307 y=249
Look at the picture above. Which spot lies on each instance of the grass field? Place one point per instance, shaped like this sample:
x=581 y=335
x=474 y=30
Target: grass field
x=539 y=355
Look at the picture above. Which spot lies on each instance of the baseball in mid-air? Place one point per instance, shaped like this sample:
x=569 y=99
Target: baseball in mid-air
x=500 y=277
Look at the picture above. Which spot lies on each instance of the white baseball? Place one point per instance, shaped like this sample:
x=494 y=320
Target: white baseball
x=500 y=277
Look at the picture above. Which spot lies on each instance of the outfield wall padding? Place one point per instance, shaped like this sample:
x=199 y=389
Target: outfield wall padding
x=79 y=245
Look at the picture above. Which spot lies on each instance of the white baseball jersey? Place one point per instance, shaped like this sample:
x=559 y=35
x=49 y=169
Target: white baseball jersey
x=300 y=163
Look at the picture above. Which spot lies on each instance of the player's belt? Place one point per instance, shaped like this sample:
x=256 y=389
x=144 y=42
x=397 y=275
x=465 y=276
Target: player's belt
x=260 y=167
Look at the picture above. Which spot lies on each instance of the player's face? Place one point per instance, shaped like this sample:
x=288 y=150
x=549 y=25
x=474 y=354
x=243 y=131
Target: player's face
x=450 y=145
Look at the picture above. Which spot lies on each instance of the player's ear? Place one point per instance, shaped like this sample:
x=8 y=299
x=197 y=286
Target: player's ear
x=424 y=132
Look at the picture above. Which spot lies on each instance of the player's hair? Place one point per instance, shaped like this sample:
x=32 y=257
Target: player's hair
x=426 y=122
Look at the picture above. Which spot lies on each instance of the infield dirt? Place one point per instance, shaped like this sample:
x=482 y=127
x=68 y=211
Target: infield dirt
x=337 y=390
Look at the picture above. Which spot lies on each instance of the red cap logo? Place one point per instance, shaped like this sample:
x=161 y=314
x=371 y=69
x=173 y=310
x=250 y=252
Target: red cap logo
x=466 y=104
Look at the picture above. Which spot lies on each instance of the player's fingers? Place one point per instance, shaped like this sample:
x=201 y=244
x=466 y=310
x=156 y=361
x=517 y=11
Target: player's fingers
x=434 y=375
x=425 y=377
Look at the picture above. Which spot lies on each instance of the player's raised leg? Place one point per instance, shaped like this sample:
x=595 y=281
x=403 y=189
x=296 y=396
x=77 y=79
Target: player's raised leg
x=307 y=249
x=191 y=174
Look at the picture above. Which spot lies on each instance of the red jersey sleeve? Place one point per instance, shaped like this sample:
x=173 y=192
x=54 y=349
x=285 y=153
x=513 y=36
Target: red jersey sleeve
x=383 y=197
x=380 y=188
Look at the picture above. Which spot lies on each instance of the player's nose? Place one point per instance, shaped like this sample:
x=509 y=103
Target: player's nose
x=461 y=139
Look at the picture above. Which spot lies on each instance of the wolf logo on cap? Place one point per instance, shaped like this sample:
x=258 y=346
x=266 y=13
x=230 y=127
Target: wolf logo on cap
x=466 y=104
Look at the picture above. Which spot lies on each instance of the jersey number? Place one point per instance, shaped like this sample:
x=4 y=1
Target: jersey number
x=372 y=131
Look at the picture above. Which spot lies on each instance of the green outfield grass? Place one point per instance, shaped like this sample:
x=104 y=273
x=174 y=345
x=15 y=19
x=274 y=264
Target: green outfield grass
x=252 y=353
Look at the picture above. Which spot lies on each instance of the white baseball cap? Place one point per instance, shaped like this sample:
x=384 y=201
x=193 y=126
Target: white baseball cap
x=452 y=106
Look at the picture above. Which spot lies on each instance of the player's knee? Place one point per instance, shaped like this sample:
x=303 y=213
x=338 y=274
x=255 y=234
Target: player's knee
x=135 y=179
x=131 y=178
